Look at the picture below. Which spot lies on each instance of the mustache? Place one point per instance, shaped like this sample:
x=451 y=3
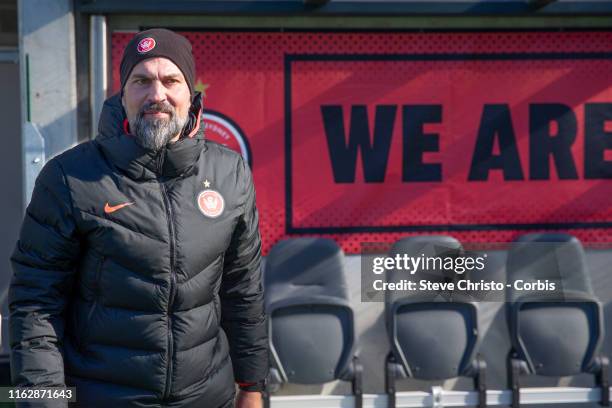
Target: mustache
x=157 y=107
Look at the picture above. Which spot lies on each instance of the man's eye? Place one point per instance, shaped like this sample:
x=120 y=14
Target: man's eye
x=141 y=81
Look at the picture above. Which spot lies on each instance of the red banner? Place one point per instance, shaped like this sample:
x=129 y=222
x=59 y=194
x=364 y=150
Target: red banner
x=368 y=136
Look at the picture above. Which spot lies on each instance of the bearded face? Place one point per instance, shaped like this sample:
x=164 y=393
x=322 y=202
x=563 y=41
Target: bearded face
x=155 y=124
x=156 y=98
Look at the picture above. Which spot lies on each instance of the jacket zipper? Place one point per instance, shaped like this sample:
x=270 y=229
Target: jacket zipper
x=172 y=289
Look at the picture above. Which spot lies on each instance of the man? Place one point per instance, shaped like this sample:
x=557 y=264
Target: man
x=137 y=248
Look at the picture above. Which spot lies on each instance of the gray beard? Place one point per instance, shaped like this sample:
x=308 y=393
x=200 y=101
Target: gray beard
x=155 y=133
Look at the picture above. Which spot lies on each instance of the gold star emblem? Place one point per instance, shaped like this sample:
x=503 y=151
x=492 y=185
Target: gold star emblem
x=206 y=184
x=201 y=87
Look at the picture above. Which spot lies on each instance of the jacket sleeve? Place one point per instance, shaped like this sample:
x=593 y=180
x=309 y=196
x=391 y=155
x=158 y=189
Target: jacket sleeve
x=243 y=315
x=43 y=265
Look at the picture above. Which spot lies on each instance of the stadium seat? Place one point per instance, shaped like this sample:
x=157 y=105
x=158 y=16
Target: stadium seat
x=434 y=335
x=311 y=323
x=553 y=332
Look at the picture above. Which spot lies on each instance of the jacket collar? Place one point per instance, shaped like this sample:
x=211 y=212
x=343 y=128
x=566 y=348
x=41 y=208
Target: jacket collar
x=138 y=163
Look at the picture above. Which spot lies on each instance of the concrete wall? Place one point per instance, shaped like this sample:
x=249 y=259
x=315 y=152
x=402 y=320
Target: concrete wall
x=39 y=86
x=10 y=182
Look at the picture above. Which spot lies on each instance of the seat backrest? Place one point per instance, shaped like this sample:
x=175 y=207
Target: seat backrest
x=433 y=336
x=311 y=322
x=556 y=332
x=556 y=258
x=422 y=246
x=305 y=267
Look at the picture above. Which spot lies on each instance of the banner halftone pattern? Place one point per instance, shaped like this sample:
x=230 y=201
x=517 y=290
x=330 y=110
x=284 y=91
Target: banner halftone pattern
x=363 y=136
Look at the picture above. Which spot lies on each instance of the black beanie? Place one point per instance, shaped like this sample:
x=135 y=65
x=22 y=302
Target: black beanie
x=154 y=43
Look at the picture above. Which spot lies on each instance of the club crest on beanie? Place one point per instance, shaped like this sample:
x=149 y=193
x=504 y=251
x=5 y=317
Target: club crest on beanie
x=146 y=45
x=155 y=43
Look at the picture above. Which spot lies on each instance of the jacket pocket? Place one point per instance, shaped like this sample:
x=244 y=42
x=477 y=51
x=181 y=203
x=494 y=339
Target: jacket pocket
x=217 y=309
x=96 y=299
x=98 y=276
x=76 y=326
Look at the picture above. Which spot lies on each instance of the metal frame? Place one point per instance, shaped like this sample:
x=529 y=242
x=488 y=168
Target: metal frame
x=347 y=7
x=516 y=367
x=392 y=372
x=441 y=398
x=98 y=61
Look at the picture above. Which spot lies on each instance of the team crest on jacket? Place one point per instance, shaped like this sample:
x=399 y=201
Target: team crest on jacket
x=211 y=203
x=146 y=45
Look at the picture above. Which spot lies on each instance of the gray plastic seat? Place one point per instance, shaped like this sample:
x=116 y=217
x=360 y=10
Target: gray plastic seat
x=311 y=323
x=553 y=332
x=434 y=335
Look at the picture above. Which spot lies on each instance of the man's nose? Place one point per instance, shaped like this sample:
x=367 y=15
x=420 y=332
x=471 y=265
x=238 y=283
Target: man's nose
x=157 y=92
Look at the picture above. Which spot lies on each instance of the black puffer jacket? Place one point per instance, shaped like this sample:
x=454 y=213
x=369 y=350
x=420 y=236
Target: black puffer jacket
x=126 y=302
